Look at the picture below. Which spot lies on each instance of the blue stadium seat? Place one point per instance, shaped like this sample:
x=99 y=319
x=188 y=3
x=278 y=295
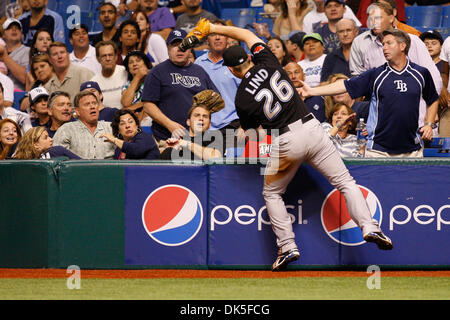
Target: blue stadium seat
x=427 y=16
x=213 y=7
x=85 y=5
x=445 y=17
x=409 y=13
x=53 y=5
x=18 y=96
x=96 y=4
x=239 y=16
x=233 y=3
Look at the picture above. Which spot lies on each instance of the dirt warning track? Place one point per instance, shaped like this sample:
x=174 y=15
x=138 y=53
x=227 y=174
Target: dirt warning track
x=168 y=273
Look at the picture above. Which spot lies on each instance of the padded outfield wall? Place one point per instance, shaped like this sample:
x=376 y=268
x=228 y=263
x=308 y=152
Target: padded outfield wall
x=144 y=214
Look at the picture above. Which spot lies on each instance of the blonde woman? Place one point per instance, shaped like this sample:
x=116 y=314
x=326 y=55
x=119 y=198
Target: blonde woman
x=37 y=144
x=291 y=17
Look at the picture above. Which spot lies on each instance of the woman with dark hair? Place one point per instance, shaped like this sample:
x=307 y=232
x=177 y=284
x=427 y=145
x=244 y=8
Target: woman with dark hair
x=37 y=144
x=130 y=140
x=152 y=44
x=129 y=37
x=39 y=45
x=10 y=135
x=278 y=48
x=137 y=65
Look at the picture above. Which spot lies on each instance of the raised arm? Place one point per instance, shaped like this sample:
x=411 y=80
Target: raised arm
x=204 y=28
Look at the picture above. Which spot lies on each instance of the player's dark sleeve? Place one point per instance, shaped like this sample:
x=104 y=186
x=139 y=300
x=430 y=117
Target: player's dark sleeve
x=360 y=86
x=429 y=93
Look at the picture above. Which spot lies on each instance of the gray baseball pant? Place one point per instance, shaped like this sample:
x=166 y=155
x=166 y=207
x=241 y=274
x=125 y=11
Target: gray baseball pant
x=307 y=142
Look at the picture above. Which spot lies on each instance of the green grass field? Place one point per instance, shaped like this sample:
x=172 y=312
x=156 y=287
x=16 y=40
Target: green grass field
x=298 y=288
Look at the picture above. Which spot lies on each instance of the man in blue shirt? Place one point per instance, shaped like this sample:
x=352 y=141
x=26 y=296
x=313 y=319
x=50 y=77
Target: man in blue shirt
x=39 y=17
x=169 y=88
x=223 y=79
x=396 y=88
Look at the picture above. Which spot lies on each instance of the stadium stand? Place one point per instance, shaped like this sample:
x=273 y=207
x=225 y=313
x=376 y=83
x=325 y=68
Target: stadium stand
x=233 y=3
x=424 y=16
x=243 y=13
x=53 y=5
x=240 y=17
x=445 y=23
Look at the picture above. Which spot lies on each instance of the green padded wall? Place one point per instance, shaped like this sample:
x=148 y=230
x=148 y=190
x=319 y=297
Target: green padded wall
x=27 y=197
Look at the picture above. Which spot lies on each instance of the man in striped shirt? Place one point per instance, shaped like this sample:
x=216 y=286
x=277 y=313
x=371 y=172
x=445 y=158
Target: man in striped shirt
x=84 y=136
x=396 y=88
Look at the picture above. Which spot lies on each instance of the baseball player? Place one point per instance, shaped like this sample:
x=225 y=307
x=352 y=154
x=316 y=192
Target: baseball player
x=267 y=97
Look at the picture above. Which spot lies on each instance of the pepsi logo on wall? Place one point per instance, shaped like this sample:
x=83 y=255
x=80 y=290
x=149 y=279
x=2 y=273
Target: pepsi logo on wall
x=336 y=219
x=172 y=215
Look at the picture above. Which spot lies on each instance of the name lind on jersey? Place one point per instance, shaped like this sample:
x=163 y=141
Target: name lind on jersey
x=257 y=79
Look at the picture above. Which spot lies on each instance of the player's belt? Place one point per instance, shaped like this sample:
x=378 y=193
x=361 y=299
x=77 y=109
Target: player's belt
x=305 y=119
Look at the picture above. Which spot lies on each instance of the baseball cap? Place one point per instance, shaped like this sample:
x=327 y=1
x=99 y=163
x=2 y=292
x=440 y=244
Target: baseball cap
x=10 y=21
x=340 y=1
x=234 y=56
x=176 y=34
x=90 y=84
x=37 y=93
x=312 y=36
x=297 y=38
x=432 y=34
x=76 y=27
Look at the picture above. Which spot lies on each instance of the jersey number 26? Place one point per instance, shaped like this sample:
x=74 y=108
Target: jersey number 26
x=282 y=89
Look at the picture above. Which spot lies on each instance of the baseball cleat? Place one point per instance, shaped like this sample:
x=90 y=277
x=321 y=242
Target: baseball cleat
x=381 y=240
x=284 y=259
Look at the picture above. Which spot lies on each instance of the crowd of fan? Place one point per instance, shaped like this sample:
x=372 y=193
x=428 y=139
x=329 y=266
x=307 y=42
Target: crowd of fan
x=96 y=101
